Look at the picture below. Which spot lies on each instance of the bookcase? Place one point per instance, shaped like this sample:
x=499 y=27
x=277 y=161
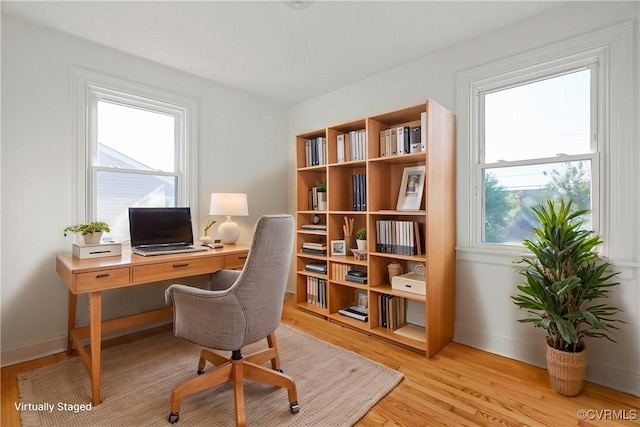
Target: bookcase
x=328 y=160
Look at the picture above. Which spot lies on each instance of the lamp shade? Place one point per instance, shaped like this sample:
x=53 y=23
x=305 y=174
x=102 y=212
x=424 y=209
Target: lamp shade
x=229 y=204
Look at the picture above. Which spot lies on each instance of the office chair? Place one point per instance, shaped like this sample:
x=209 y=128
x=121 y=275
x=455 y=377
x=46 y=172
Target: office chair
x=239 y=308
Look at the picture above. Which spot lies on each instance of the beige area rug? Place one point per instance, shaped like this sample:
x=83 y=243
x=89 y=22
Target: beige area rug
x=336 y=387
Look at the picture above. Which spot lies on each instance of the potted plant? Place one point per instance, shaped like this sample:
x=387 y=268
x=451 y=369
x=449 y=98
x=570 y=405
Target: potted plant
x=361 y=239
x=562 y=280
x=91 y=232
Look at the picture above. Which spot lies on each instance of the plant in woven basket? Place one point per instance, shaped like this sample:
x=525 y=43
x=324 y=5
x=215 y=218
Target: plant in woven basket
x=566 y=280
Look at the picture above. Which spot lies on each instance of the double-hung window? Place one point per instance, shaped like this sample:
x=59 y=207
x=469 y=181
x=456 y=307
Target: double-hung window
x=135 y=149
x=538 y=140
x=536 y=132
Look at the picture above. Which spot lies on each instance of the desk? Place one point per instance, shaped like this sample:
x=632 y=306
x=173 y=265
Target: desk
x=92 y=276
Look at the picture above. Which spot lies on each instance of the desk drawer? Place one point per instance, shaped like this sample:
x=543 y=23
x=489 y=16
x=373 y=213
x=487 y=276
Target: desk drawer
x=99 y=280
x=175 y=269
x=235 y=261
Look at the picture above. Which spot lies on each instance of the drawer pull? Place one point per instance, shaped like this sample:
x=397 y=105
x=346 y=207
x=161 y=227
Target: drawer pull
x=186 y=264
x=102 y=276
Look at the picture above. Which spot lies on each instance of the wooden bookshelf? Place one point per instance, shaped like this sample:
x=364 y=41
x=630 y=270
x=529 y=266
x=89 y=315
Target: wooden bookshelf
x=434 y=311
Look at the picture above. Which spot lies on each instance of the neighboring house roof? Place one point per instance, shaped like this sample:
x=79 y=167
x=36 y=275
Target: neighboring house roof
x=121 y=190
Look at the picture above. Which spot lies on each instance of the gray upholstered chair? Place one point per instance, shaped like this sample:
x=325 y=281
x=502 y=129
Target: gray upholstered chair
x=240 y=308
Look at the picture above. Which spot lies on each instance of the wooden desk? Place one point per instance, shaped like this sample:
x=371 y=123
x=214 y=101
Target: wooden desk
x=92 y=276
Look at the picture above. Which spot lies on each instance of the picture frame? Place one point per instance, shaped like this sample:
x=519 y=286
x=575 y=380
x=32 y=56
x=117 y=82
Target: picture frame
x=361 y=300
x=338 y=247
x=411 y=189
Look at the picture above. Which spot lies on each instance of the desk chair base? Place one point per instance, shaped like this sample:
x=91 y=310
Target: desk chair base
x=235 y=370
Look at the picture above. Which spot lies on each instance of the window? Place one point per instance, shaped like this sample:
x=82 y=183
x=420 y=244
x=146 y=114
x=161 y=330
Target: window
x=135 y=149
x=533 y=127
x=537 y=141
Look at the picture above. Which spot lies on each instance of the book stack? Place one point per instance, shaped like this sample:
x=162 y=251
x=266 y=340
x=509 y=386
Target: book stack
x=404 y=139
x=317 y=291
x=355 y=312
x=316 y=151
x=339 y=271
x=399 y=237
x=314 y=227
x=359 y=187
x=316 y=267
x=315 y=248
x=356 y=276
x=391 y=311
x=317 y=199
x=357 y=145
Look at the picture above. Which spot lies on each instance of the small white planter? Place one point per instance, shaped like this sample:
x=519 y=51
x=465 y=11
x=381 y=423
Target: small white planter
x=92 y=238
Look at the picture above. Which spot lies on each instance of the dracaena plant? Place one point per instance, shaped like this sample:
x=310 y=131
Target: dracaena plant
x=566 y=280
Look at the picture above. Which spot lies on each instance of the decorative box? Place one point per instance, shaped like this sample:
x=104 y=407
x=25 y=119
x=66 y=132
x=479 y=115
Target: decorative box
x=409 y=282
x=99 y=250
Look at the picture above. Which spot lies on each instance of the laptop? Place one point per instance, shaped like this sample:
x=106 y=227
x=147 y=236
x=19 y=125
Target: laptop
x=161 y=231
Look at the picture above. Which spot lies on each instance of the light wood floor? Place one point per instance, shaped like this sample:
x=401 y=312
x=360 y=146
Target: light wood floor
x=460 y=386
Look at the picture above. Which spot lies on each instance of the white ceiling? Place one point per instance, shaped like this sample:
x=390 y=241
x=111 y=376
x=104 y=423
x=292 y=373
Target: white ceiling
x=269 y=49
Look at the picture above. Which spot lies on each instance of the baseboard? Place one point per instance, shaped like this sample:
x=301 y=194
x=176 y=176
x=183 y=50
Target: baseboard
x=36 y=350
x=535 y=355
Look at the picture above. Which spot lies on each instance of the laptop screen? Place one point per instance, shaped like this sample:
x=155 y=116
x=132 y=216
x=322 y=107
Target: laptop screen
x=160 y=226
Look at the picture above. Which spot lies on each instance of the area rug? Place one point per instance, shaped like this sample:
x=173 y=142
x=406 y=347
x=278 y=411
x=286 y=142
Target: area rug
x=336 y=387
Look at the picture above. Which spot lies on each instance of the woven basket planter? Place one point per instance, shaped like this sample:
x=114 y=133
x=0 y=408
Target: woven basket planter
x=566 y=370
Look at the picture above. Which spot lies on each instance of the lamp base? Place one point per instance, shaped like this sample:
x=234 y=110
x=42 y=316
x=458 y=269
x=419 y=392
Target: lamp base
x=229 y=232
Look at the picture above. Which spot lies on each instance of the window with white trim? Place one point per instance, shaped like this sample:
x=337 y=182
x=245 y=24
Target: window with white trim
x=134 y=148
x=536 y=133
x=537 y=141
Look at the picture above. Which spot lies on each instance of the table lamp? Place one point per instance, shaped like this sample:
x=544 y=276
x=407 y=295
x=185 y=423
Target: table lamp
x=229 y=204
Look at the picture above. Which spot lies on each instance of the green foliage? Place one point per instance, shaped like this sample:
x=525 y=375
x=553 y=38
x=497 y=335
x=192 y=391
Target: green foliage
x=572 y=183
x=321 y=186
x=498 y=208
x=564 y=278
x=361 y=234
x=91 y=227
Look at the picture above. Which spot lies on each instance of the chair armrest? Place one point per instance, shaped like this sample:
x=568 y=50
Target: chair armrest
x=223 y=279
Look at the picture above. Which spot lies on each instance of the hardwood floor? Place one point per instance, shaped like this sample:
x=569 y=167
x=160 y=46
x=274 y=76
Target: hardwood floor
x=460 y=386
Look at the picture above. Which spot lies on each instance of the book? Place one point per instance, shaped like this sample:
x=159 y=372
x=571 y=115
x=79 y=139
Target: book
x=402 y=140
x=315 y=227
x=316 y=267
x=340 y=148
x=393 y=143
x=415 y=134
x=313 y=251
x=423 y=131
x=354 y=313
x=355 y=279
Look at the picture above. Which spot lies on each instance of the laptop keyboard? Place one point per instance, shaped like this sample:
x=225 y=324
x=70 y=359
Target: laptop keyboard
x=160 y=250
x=170 y=248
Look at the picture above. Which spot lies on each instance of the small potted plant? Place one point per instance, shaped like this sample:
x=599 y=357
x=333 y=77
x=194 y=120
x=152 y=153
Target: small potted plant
x=206 y=239
x=565 y=285
x=91 y=232
x=361 y=239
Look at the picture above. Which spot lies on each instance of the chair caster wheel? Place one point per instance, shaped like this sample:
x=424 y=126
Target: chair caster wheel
x=280 y=370
x=173 y=417
x=200 y=371
x=295 y=408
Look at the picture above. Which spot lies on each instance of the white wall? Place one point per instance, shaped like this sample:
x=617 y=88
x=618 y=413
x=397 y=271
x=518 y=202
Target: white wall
x=242 y=148
x=485 y=315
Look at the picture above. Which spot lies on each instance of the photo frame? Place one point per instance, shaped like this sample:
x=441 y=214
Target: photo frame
x=338 y=247
x=362 y=301
x=411 y=188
